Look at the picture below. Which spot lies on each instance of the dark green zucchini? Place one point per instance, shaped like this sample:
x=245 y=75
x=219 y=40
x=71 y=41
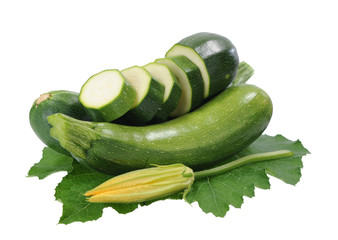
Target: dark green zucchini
x=172 y=88
x=215 y=56
x=149 y=96
x=191 y=82
x=61 y=101
x=220 y=128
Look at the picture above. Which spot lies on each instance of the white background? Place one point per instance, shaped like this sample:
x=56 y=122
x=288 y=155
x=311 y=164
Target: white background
x=292 y=45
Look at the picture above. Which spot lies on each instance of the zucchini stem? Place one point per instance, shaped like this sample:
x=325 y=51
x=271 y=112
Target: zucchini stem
x=244 y=73
x=242 y=161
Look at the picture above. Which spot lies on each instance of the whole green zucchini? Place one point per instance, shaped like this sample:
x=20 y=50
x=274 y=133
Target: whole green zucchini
x=218 y=129
x=60 y=101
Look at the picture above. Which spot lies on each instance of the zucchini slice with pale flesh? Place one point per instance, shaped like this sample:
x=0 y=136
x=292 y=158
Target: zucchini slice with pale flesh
x=215 y=56
x=190 y=79
x=107 y=96
x=172 y=91
x=149 y=96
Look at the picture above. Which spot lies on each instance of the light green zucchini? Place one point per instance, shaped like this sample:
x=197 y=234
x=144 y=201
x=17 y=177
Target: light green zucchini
x=220 y=128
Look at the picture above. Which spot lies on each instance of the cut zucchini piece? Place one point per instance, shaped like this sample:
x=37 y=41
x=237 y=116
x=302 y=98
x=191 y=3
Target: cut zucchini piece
x=107 y=95
x=149 y=96
x=215 y=56
x=190 y=79
x=172 y=91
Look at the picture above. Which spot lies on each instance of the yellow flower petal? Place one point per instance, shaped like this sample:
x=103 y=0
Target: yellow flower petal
x=143 y=185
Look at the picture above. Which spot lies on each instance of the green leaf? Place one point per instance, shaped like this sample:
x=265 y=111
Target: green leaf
x=51 y=162
x=70 y=192
x=215 y=194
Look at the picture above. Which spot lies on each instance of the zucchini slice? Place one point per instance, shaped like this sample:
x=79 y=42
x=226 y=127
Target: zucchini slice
x=172 y=91
x=107 y=96
x=190 y=79
x=215 y=56
x=149 y=96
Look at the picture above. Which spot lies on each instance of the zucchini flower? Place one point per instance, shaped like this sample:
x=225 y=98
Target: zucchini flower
x=161 y=181
x=144 y=185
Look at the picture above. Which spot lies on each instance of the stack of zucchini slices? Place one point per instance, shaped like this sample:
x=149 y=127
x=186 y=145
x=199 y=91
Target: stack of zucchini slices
x=193 y=70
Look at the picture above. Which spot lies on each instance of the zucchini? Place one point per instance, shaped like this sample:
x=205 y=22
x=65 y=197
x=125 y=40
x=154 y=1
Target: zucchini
x=190 y=79
x=107 y=96
x=215 y=56
x=60 y=101
x=220 y=128
x=149 y=96
x=172 y=91
x=244 y=73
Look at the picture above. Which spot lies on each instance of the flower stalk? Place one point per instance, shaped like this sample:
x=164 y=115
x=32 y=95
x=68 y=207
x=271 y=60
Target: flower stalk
x=242 y=161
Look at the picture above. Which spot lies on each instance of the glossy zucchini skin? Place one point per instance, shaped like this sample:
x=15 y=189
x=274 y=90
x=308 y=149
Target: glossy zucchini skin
x=162 y=73
x=194 y=83
x=147 y=109
x=218 y=129
x=60 y=101
x=219 y=55
x=195 y=79
x=170 y=105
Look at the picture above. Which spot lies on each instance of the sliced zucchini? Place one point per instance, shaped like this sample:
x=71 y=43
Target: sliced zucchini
x=190 y=79
x=172 y=89
x=215 y=56
x=149 y=96
x=107 y=95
